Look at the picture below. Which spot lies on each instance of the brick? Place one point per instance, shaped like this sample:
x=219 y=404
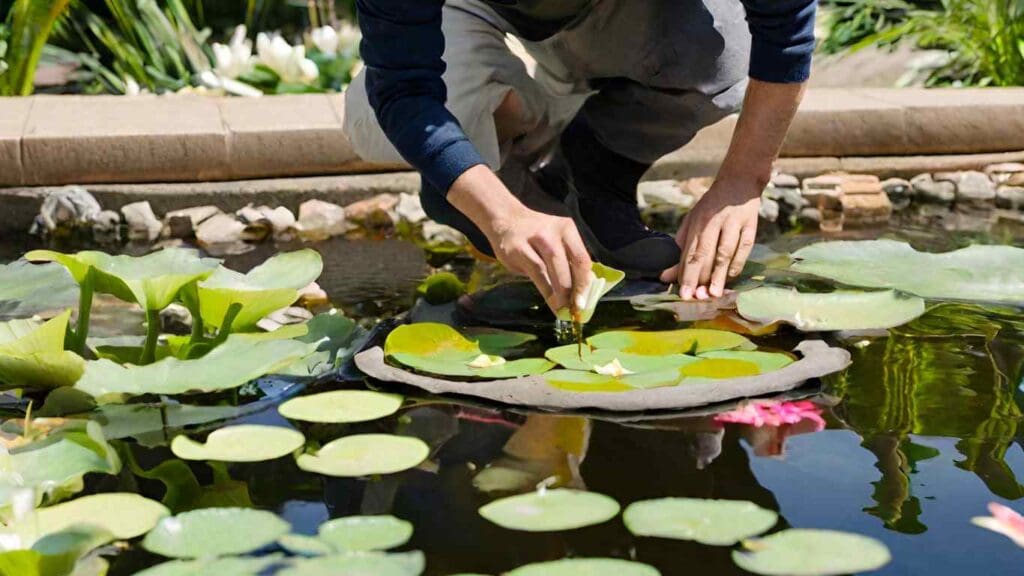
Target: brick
x=860 y=210
x=860 y=184
x=13 y=116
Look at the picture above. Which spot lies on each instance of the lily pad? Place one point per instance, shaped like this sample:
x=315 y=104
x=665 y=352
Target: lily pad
x=56 y=554
x=241 y=566
x=32 y=355
x=365 y=533
x=551 y=510
x=580 y=381
x=235 y=362
x=270 y=286
x=720 y=368
x=712 y=522
x=830 y=311
x=27 y=289
x=602 y=280
x=765 y=361
x=123 y=514
x=152 y=281
x=979 y=273
x=686 y=341
x=359 y=564
x=341 y=406
x=366 y=455
x=569 y=357
x=800 y=552
x=302 y=545
x=440 y=349
x=588 y=566
x=241 y=443
x=213 y=532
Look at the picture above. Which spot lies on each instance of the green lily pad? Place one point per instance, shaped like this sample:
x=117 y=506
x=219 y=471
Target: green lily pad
x=237 y=361
x=32 y=355
x=56 y=554
x=765 y=361
x=270 y=286
x=341 y=406
x=712 y=522
x=498 y=342
x=602 y=280
x=980 y=273
x=359 y=564
x=152 y=281
x=302 y=545
x=27 y=289
x=686 y=341
x=580 y=381
x=242 y=566
x=211 y=532
x=551 y=510
x=829 y=311
x=440 y=349
x=366 y=455
x=587 y=566
x=123 y=514
x=569 y=357
x=241 y=443
x=720 y=368
x=365 y=533
x=800 y=552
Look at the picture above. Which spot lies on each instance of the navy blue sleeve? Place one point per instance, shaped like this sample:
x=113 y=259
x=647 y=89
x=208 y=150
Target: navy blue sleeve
x=783 y=39
x=402 y=48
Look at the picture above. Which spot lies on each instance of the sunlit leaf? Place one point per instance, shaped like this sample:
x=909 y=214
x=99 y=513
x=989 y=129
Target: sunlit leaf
x=365 y=455
x=241 y=566
x=365 y=533
x=720 y=368
x=55 y=554
x=440 y=349
x=569 y=357
x=602 y=280
x=801 y=552
x=829 y=311
x=125 y=515
x=213 y=532
x=302 y=545
x=765 y=361
x=587 y=566
x=240 y=443
x=341 y=406
x=713 y=522
x=32 y=355
x=359 y=564
x=551 y=510
x=27 y=289
x=686 y=341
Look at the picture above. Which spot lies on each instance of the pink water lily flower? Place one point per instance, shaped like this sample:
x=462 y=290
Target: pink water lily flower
x=760 y=413
x=1005 y=521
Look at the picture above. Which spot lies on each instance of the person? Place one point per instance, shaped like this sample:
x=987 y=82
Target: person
x=614 y=85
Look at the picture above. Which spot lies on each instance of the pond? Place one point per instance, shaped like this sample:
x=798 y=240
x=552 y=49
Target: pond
x=922 y=431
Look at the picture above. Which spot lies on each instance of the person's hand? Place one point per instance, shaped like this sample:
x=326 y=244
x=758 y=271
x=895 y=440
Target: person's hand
x=716 y=238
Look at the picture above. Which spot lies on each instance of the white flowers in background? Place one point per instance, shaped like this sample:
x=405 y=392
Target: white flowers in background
x=214 y=81
x=287 y=61
x=235 y=59
x=330 y=41
x=132 y=88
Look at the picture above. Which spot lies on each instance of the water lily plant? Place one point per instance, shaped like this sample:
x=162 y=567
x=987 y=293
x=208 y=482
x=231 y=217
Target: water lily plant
x=1003 y=520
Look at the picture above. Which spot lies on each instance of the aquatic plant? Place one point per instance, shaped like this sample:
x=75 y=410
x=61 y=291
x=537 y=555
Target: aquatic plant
x=440 y=349
x=1003 y=520
x=29 y=25
x=760 y=413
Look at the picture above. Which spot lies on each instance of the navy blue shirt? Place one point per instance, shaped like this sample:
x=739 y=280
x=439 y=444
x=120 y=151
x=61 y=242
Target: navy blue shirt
x=402 y=48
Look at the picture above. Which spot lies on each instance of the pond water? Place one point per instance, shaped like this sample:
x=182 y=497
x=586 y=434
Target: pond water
x=923 y=430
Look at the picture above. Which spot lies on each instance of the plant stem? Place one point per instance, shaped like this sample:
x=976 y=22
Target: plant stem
x=225 y=327
x=85 y=291
x=152 y=335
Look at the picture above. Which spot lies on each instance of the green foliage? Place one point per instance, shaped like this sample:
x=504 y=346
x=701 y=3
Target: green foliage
x=848 y=22
x=30 y=23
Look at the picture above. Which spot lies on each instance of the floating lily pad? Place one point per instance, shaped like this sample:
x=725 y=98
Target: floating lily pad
x=720 y=368
x=580 y=381
x=270 y=286
x=830 y=311
x=359 y=564
x=686 y=341
x=235 y=362
x=27 y=289
x=712 y=522
x=587 y=566
x=365 y=533
x=685 y=310
x=152 y=281
x=302 y=545
x=243 y=566
x=341 y=406
x=569 y=357
x=799 y=552
x=551 y=510
x=440 y=349
x=366 y=455
x=123 y=514
x=765 y=361
x=980 y=273
x=32 y=355
x=241 y=443
x=213 y=532
x=56 y=554
x=602 y=280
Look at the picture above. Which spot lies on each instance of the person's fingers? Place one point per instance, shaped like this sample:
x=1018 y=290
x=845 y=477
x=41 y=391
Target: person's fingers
x=743 y=250
x=698 y=266
x=682 y=233
x=670 y=275
x=701 y=293
x=579 y=265
x=552 y=251
x=689 y=251
x=527 y=262
x=727 y=243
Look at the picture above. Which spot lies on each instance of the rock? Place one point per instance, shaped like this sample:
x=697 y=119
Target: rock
x=860 y=184
x=781 y=180
x=862 y=210
x=371 y=210
x=823 y=192
x=790 y=199
x=281 y=219
x=435 y=233
x=975 y=188
x=183 y=223
x=143 y=225
x=319 y=220
x=1003 y=172
x=106 y=227
x=176 y=319
x=284 y=317
x=809 y=216
x=656 y=193
x=1010 y=197
x=67 y=207
x=1015 y=179
x=769 y=210
x=696 y=187
x=219 y=230
x=410 y=209
x=312 y=296
x=927 y=189
x=900 y=192
x=257 y=225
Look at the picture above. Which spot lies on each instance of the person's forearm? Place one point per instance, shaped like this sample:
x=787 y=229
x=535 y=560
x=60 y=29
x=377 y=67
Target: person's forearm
x=768 y=110
x=483 y=198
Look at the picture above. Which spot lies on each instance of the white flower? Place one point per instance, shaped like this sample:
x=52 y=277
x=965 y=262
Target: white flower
x=325 y=38
x=215 y=81
x=235 y=59
x=348 y=36
x=132 y=88
x=287 y=61
x=613 y=368
x=485 y=361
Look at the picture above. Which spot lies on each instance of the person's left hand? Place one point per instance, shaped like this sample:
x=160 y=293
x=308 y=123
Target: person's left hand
x=716 y=238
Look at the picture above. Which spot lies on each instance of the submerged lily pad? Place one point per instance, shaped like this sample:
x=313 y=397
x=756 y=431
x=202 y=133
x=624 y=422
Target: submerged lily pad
x=365 y=533
x=587 y=566
x=32 y=355
x=27 y=289
x=569 y=357
x=341 y=406
x=366 y=455
x=359 y=564
x=800 y=552
x=712 y=522
x=980 y=273
x=602 y=280
x=270 y=286
x=440 y=349
x=123 y=514
x=240 y=566
x=829 y=311
x=213 y=532
x=235 y=362
x=241 y=443
x=551 y=510
x=686 y=341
